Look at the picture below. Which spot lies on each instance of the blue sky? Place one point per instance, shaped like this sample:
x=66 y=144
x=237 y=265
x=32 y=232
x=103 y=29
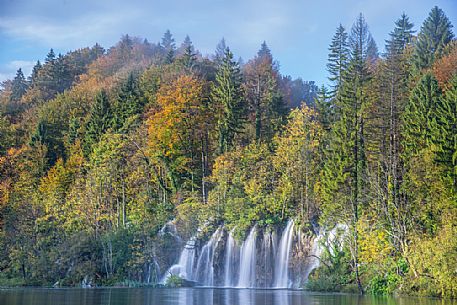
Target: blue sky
x=297 y=31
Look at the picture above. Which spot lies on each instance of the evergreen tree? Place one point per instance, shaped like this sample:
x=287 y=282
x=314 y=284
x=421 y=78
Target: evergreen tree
x=220 y=51
x=227 y=99
x=50 y=57
x=169 y=47
x=419 y=116
x=187 y=43
x=338 y=58
x=128 y=103
x=325 y=108
x=361 y=45
x=73 y=130
x=446 y=132
x=35 y=72
x=61 y=75
x=372 y=51
x=188 y=58
x=264 y=51
x=400 y=37
x=345 y=174
x=266 y=105
x=100 y=120
x=436 y=32
x=393 y=89
x=19 y=86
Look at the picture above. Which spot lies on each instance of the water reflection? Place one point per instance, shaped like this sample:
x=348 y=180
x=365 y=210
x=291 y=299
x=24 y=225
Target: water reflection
x=197 y=296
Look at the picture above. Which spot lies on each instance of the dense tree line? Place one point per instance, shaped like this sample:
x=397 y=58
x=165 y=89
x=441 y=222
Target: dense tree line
x=100 y=148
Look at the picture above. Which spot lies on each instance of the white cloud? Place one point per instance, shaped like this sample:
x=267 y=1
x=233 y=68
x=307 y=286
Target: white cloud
x=74 y=33
x=8 y=71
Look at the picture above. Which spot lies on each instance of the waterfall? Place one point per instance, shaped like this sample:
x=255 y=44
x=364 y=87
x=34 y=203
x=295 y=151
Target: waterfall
x=263 y=259
x=248 y=261
x=229 y=266
x=333 y=240
x=281 y=279
x=184 y=268
x=205 y=263
x=153 y=270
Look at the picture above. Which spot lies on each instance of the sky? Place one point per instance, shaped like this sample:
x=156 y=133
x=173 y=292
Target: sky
x=298 y=32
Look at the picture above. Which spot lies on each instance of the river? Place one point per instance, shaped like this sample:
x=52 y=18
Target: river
x=196 y=296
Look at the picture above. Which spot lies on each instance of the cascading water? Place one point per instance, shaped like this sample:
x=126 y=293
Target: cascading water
x=264 y=259
x=248 y=261
x=268 y=254
x=205 y=263
x=230 y=260
x=184 y=268
x=282 y=258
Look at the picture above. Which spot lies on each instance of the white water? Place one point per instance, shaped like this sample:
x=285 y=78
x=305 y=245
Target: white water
x=332 y=240
x=282 y=258
x=205 y=264
x=230 y=251
x=248 y=261
x=262 y=260
x=184 y=268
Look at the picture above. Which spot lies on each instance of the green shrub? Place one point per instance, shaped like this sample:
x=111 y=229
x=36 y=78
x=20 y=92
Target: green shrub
x=174 y=281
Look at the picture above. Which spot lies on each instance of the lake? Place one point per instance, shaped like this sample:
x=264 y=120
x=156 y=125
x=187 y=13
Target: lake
x=196 y=296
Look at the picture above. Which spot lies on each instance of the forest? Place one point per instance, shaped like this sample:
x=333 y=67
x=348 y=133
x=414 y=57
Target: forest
x=100 y=148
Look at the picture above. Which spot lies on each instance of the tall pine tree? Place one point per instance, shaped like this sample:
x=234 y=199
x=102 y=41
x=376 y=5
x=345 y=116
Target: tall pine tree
x=435 y=33
x=338 y=58
x=420 y=116
x=19 y=86
x=100 y=120
x=393 y=88
x=345 y=172
x=169 y=47
x=128 y=103
x=227 y=99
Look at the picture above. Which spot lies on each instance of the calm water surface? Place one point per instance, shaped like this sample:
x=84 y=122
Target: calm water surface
x=195 y=296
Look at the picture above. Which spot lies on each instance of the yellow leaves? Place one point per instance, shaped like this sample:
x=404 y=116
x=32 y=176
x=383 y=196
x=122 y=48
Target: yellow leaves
x=435 y=259
x=179 y=117
x=374 y=244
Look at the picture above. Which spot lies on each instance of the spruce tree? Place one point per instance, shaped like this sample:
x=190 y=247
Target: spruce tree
x=19 y=86
x=324 y=107
x=50 y=57
x=169 y=47
x=419 y=116
x=436 y=32
x=393 y=89
x=264 y=51
x=400 y=37
x=100 y=120
x=338 y=58
x=227 y=99
x=266 y=105
x=372 y=51
x=445 y=136
x=128 y=103
x=188 y=58
x=345 y=173
x=35 y=73
x=220 y=51
x=187 y=43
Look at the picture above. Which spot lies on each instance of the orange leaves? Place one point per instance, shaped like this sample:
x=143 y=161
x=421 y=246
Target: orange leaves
x=446 y=67
x=179 y=116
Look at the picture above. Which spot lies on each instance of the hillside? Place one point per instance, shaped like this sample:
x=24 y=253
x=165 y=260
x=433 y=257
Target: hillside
x=100 y=149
